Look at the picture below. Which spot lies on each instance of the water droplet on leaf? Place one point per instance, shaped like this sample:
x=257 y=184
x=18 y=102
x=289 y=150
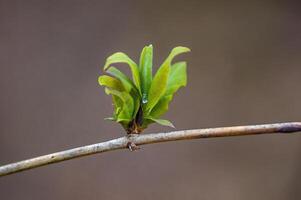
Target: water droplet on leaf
x=144 y=99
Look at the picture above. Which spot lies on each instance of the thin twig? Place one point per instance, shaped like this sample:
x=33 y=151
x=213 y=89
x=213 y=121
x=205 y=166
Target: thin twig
x=121 y=143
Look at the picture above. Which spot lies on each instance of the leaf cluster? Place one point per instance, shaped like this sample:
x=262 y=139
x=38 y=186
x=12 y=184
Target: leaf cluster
x=142 y=100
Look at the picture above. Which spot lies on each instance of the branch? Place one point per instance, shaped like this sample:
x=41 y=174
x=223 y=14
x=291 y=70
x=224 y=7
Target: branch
x=122 y=143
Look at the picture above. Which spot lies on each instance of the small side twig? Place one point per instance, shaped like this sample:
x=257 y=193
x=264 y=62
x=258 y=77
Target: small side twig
x=122 y=143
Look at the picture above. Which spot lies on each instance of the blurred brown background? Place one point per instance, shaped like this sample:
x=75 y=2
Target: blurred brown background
x=244 y=68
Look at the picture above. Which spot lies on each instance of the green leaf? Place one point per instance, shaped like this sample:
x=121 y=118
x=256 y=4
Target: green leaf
x=110 y=82
x=163 y=122
x=177 y=78
x=145 y=69
x=120 y=57
x=137 y=102
x=174 y=52
x=161 y=107
x=126 y=81
x=117 y=103
x=143 y=100
x=158 y=87
x=126 y=105
x=159 y=82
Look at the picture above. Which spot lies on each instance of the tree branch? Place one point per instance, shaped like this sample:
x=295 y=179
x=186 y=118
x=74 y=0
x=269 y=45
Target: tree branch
x=122 y=143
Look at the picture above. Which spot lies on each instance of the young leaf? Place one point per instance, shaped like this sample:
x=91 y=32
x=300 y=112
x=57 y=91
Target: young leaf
x=144 y=100
x=127 y=107
x=177 y=78
x=115 y=85
x=158 y=87
x=159 y=82
x=145 y=68
x=161 y=107
x=137 y=103
x=127 y=83
x=174 y=52
x=110 y=82
x=117 y=104
x=120 y=57
x=163 y=122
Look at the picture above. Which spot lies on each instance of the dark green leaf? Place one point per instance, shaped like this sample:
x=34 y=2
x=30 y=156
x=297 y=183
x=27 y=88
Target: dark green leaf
x=145 y=68
x=137 y=102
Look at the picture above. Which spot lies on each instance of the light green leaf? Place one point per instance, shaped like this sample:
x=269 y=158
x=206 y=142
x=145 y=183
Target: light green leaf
x=127 y=83
x=142 y=100
x=120 y=57
x=158 y=87
x=110 y=82
x=117 y=103
x=174 y=52
x=163 y=122
x=145 y=69
x=159 y=83
x=161 y=107
x=126 y=107
x=177 y=78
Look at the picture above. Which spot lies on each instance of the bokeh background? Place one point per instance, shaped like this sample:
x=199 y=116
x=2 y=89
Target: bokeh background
x=244 y=68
